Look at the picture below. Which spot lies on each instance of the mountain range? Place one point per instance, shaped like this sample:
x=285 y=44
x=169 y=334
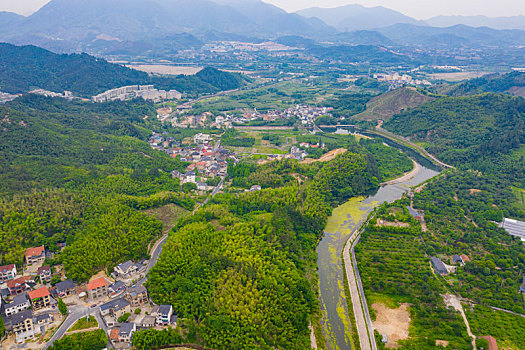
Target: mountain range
x=357 y=17
x=136 y=27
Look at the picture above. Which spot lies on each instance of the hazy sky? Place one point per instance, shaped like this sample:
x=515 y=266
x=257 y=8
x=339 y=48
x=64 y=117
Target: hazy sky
x=420 y=9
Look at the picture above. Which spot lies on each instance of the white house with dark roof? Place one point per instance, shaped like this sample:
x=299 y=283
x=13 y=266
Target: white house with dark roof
x=163 y=315
x=19 y=304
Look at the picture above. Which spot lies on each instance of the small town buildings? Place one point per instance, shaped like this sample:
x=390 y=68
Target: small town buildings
x=127 y=269
x=115 y=308
x=137 y=296
x=20 y=303
x=439 y=266
x=65 y=288
x=44 y=273
x=148 y=322
x=116 y=288
x=7 y=272
x=35 y=255
x=126 y=332
x=40 y=298
x=97 y=288
x=201 y=138
x=201 y=186
x=457 y=260
x=163 y=315
x=23 y=325
x=18 y=285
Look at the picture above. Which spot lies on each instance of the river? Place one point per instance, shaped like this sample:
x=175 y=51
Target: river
x=336 y=321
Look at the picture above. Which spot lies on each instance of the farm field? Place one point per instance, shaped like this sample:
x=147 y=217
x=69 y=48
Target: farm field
x=397 y=278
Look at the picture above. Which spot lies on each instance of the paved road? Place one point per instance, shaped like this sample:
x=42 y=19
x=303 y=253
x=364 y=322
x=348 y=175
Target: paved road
x=75 y=313
x=385 y=133
x=353 y=285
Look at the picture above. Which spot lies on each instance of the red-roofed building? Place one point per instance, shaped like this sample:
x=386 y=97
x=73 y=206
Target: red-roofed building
x=35 y=255
x=97 y=288
x=464 y=258
x=40 y=298
x=7 y=272
x=18 y=285
x=113 y=335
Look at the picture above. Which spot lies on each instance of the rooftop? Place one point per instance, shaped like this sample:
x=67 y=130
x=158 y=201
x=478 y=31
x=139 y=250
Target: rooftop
x=37 y=251
x=38 y=293
x=6 y=268
x=21 y=316
x=18 y=300
x=126 y=328
x=164 y=309
x=117 y=304
x=43 y=269
x=99 y=282
x=65 y=285
x=17 y=281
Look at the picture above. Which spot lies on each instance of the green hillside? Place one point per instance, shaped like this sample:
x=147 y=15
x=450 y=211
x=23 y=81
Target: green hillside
x=483 y=131
x=75 y=172
x=384 y=106
x=513 y=83
x=24 y=68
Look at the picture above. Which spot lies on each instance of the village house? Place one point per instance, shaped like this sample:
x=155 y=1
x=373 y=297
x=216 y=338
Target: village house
x=40 y=298
x=23 y=325
x=116 y=288
x=7 y=272
x=137 y=296
x=18 y=285
x=148 y=322
x=65 y=288
x=44 y=273
x=439 y=266
x=35 y=255
x=201 y=138
x=522 y=287
x=97 y=288
x=115 y=308
x=163 y=314
x=126 y=332
x=127 y=269
x=19 y=304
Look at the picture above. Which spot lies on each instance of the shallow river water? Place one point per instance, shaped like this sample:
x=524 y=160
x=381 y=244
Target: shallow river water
x=345 y=219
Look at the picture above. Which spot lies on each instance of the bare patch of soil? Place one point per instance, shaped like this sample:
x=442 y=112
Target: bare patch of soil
x=394 y=323
x=474 y=191
x=325 y=157
x=443 y=343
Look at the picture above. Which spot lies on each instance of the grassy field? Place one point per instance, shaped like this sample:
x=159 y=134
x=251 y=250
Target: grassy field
x=83 y=323
x=168 y=214
x=281 y=95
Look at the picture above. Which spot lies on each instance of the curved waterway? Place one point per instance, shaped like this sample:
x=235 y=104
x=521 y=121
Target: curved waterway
x=336 y=322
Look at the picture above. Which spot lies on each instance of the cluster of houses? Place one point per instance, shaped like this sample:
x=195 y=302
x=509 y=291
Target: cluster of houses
x=147 y=92
x=207 y=161
x=442 y=269
x=5 y=97
x=305 y=113
x=27 y=305
x=123 y=300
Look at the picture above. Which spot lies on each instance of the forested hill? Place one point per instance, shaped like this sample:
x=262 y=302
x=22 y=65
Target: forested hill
x=77 y=172
x=513 y=82
x=486 y=131
x=23 y=68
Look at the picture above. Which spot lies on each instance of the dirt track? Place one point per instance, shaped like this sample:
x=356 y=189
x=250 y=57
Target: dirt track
x=325 y=157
